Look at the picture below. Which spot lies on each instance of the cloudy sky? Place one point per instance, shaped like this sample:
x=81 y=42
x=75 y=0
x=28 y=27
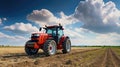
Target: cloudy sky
x=87 y=22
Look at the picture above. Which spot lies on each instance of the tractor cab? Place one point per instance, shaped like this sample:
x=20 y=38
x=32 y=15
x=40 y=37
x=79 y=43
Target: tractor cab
x=56 y=32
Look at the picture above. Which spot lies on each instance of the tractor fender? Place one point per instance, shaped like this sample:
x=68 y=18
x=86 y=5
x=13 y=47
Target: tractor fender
x=31 y=44
x=64 y=38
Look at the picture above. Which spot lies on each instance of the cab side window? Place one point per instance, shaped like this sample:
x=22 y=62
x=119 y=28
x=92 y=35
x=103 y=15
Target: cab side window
x=60 y=33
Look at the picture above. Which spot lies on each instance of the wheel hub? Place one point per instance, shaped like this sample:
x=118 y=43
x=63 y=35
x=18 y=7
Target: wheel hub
x=52 y=48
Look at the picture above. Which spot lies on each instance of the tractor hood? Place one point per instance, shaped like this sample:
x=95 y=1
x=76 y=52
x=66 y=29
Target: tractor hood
x=40 y=38
x=40 y=34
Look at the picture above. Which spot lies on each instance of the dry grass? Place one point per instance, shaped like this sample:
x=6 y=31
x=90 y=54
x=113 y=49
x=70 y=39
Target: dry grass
x=8 y=50
x=84 y=48
x=117 y=51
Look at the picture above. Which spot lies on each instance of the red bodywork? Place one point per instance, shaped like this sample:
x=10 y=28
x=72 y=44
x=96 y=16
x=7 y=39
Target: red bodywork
x=43 y=37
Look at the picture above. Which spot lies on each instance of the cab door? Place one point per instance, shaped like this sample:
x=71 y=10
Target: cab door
x=60 y=34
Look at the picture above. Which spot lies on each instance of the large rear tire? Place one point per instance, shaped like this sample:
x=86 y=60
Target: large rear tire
x=66 y=46
x=30 y=51
x=49 y=47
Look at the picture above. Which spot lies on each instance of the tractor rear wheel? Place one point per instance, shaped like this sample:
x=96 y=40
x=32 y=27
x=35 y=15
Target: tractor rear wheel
x=49 y=47
x=66 y=46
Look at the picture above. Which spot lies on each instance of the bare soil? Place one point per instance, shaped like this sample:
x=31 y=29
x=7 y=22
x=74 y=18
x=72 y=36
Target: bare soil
x=108 y=59
x=78 y=57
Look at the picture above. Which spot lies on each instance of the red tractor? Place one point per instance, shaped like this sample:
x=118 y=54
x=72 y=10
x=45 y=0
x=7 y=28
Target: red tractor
x=49 y=41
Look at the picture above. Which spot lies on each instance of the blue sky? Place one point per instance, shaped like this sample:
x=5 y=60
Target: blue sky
x=17 y=10
x=19 y=18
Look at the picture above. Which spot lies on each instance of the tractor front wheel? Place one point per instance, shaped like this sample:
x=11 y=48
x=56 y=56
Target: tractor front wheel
x=49 y=47
x=31 y=51
x=66 y=46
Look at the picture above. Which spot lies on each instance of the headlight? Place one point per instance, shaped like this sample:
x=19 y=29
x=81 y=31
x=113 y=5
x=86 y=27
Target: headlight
x=35 y=34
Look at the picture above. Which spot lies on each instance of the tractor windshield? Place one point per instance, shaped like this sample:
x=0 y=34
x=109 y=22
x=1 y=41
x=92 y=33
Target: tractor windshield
x=51 y=31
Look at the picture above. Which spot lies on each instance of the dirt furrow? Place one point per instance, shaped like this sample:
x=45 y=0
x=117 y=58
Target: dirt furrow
x=108 y=59
x=98 y=60
x=112 y=59
x=115 y=59
x=107 y=62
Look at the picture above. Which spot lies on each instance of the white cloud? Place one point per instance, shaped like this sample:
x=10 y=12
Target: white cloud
x=105 y=39
x=72 y=34
x=81 y=36
x=45 y=17
x=66 y=20
x=21 y=28
x=98 y=16
x=12 y=40
x=5 y=36
x=42 y=17
x=4 y=19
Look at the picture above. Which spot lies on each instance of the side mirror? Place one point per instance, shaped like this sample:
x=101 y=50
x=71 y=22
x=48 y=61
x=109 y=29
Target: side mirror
x=61 y=28
x=40 y=29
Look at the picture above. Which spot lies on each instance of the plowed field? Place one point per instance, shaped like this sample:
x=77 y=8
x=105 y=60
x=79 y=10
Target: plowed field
x=78 y=57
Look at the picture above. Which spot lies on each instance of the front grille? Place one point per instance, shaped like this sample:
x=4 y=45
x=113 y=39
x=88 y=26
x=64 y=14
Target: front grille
x=30 y=42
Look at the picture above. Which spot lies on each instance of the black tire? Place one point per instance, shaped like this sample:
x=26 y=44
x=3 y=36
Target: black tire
x=66 y=46
x=30 y=51
x=49 y=47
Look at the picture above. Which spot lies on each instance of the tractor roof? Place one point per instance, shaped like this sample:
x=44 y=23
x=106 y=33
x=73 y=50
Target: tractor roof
x=53 y=26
